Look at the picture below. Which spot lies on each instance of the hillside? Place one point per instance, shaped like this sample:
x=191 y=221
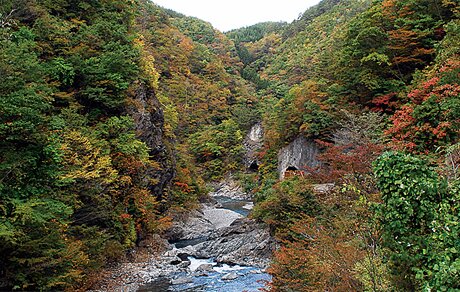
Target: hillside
x=373 y=86
x=116 y=116
x=98 y=109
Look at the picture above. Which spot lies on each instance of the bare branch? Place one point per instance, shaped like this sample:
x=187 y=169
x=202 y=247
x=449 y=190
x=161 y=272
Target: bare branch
x=6 y=20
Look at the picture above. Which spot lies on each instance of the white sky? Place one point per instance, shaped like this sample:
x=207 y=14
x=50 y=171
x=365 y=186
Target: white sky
x=226 y=15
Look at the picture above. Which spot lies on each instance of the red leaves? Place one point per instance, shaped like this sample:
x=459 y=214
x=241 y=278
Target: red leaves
x=387 y=103
x=345 y=160
x=429 y=120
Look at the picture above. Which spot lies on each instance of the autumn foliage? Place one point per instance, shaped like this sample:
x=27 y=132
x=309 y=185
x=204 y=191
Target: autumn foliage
x=431 y=118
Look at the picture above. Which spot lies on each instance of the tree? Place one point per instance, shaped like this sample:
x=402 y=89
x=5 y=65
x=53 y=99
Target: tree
x=416 y=216
x=431 y=118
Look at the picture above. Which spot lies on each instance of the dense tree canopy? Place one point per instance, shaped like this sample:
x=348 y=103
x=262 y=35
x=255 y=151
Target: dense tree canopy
x=113 y=114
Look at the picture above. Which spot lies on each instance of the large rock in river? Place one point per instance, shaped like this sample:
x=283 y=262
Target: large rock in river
x=201 y=223
x=245 y=242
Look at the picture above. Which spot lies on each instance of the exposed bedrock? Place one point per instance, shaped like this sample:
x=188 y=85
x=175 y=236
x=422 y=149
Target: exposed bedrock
x=146 y=111
x=298 y=156
x=252 y=144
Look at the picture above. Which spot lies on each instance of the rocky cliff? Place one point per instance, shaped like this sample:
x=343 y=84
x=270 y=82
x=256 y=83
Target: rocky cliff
x=298 y=156
x=252 y=144
x=148 y=117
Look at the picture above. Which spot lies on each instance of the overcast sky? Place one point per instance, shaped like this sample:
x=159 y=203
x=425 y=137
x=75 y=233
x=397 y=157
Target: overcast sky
x=226 y=15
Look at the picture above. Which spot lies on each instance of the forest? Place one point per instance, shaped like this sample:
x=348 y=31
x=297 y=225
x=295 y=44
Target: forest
x=116 y=115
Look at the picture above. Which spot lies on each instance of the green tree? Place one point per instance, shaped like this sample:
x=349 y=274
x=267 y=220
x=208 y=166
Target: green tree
x=417 y=211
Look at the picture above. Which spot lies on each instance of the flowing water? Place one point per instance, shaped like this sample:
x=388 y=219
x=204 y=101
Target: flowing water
x=222 y=277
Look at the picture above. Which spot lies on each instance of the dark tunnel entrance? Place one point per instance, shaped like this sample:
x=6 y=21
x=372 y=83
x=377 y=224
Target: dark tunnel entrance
x=254 y=166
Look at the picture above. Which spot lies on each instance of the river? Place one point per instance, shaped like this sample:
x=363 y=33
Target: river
x=207 y=274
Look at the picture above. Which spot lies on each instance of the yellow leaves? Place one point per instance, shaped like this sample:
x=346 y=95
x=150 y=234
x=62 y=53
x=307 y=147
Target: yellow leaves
x=304 y=128
x=62 y=95
x=84 y=160
x=453 y=4
x=147 y=63
x=77 y=21
x=148 y=68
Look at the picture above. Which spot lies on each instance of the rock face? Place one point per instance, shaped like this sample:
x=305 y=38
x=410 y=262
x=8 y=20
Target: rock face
x=148 y=118
x=252 y=144
x=323 y=188
x=231 y=189
x=298 y=155
x=245 y=242
x=201 y=223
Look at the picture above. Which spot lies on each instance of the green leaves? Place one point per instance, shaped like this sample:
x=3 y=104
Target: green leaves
x=218 y=147
x=38 y=212
x=419 y=219
x=24 y=100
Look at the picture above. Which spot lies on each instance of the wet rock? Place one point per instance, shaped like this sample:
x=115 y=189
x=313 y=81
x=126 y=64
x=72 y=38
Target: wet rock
x=175 y=261
x=205 y=268
x=182 y=280
x=245 y=242
x=230 y=276
x=183 y=256
x=200 y=274
x=249 y=206
x=184 y=264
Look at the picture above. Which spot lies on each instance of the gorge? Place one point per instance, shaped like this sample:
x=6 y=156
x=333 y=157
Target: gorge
x=142 y=149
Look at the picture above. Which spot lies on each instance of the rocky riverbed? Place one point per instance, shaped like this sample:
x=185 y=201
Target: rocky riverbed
x=215 y=248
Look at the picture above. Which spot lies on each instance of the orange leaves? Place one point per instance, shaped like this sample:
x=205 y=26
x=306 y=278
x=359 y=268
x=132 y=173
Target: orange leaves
x=319 y=259
x=124 y=216
x=183 y=187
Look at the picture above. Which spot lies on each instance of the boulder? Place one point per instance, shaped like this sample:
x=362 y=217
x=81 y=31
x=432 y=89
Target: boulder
x=323 y=188
x=230 y=276
x=182 y=280
x=201 y=223
x=205 y=268
x=245 y=242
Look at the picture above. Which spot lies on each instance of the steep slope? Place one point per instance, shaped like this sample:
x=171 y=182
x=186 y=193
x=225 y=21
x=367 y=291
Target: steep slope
x=358 y=78
x=98 y=108
x=207 y=104
x=113 y=114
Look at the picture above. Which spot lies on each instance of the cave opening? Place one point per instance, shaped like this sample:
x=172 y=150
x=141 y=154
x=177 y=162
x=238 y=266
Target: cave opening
x=254 y=166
